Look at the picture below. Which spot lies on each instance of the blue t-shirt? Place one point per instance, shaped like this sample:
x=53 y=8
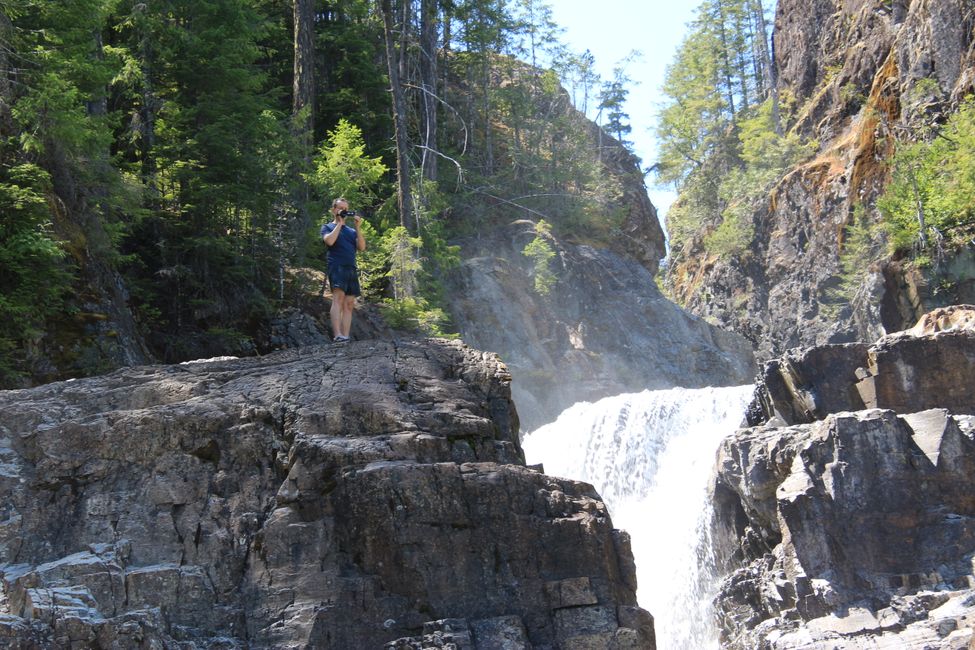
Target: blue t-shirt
x=342 y=252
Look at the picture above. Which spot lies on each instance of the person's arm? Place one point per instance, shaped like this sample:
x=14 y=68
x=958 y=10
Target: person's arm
x=330 y=238
x=360 y=240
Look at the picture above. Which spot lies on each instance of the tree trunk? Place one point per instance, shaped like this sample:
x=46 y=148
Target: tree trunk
x=6 y=92
x=404 y=198
x=772 y=79
x=147 y=118
x=446 y=47
x=303 y=107
x=428 y=81
x=98 y=105
x=486 y=108
x=725 y=62
x=303 y=104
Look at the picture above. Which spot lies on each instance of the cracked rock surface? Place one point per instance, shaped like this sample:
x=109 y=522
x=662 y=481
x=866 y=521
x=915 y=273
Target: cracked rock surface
x=348 y=496
x=847 y=517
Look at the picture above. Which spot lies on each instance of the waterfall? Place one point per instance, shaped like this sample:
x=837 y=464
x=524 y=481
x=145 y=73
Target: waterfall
x=650 y=455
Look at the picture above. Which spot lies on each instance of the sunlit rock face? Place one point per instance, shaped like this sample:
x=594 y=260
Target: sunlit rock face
x=863 y=74
x=325 y=497
x=604 y=329
x=847 y=518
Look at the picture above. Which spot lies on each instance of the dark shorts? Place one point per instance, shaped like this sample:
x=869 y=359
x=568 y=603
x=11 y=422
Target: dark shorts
x=345 y=278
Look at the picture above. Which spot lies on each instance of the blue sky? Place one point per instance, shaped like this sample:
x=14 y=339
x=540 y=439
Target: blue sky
x=610 y=29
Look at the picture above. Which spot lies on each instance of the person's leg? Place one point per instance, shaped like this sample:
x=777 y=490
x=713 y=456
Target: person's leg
x=347 y=314
x=338 y=306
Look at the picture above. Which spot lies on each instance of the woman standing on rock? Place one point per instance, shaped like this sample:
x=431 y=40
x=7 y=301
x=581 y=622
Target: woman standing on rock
x=343 y=241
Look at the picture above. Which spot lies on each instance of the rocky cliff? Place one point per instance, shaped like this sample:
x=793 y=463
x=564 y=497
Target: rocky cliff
x=846 y=519
x=855 y=70
x=604 y=328
x=330 y=497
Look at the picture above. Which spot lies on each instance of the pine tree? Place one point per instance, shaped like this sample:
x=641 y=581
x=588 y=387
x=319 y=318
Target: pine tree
x=612 y=100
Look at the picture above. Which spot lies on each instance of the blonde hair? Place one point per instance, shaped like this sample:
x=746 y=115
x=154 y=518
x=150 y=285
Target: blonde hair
x=335 y=202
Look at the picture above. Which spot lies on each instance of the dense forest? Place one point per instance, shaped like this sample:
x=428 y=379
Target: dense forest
x=185 y=151
x=182 y=153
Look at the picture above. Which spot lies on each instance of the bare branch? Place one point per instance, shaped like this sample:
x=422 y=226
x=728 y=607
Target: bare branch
x=447 y=104
x=460 y=169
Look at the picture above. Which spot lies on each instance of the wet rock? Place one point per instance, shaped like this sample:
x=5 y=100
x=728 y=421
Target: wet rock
x=604 y=329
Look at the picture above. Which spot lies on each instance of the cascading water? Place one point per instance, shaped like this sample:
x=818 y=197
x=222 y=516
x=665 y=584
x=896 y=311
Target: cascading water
x=650 y=455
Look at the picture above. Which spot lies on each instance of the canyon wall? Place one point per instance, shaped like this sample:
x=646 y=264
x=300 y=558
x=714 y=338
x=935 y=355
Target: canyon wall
x=603 y=329
x=862 y=74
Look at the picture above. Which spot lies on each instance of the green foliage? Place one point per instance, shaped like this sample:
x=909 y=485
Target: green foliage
x=714 y=77
x=372 y=262
x=735 y=232
x=415 y=313
x=33 y=274
x=930 y=202
x=766 y=152
x=353 y=81
x=433 y=205
x=395 y=264
x=216 y=159
x=612 y=98
x=63 y=77
x=765 y=157
x=408 y=309
x=403 y=252
x=863 y=244
x=540 y=252
x=168 y=130
x=720 y=129
x=342 y=168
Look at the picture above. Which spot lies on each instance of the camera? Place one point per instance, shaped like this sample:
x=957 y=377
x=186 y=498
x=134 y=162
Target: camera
x=347 y=213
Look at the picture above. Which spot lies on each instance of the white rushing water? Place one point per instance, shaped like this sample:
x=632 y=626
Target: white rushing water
x=650 y=455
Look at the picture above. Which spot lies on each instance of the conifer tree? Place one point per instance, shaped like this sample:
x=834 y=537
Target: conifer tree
x=395 y=57
x=303 y=101
x=429 y=54
x=612 y=99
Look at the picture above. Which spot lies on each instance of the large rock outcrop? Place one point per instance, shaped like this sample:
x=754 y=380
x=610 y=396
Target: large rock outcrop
x=604 y=328
x=324 y=497
x=863 y=74
x=850 y=523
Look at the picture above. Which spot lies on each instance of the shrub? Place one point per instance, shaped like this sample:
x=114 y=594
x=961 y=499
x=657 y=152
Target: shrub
x=930 y=201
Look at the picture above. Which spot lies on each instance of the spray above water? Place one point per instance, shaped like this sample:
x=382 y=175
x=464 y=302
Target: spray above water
x=650 y=455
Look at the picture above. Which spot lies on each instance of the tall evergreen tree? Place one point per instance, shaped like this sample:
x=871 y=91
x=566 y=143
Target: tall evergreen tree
x=395 y=55
x=303 y=99
x=429 y=56
x=612 y=99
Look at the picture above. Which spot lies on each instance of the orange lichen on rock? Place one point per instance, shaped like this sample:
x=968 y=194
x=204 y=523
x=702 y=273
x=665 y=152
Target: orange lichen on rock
x=873 y=148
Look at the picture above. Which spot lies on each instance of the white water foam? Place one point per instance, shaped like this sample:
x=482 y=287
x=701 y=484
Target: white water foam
x=649 y=455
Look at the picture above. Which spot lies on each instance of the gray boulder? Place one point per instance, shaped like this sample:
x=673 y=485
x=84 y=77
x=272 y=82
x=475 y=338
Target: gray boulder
x=841 y=526
x=320 y=497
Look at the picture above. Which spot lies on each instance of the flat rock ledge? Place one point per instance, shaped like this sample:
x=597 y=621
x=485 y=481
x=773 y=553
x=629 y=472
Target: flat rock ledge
x=845 y=518
x=365 y=495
